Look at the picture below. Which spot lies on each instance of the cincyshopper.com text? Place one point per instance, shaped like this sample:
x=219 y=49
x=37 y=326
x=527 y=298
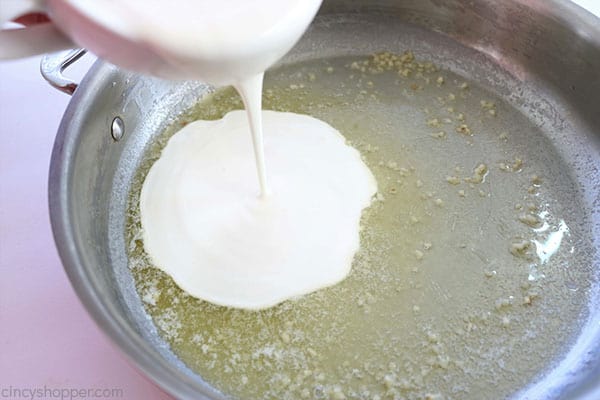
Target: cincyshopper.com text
x=60 y=393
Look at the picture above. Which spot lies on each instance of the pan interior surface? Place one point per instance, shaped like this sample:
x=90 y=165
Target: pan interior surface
x=476 y=273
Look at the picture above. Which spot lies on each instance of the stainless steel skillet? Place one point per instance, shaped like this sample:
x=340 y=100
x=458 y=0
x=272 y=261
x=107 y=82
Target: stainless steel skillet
x=542 y=56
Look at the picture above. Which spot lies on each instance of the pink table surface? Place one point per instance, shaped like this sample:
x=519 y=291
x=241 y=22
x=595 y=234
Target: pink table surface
x=47 y=340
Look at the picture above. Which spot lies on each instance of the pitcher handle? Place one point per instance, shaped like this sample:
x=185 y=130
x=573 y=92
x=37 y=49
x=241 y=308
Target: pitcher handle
x=53 y=65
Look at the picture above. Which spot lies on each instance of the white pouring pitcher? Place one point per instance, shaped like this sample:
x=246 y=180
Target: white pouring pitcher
x=71 y=27
x=36 y=39
x=152 y=37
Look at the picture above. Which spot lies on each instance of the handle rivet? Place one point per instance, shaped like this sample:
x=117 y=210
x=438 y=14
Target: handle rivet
x=117 y=129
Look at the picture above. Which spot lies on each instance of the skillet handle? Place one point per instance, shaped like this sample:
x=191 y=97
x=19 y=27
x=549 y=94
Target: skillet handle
x=53 y=65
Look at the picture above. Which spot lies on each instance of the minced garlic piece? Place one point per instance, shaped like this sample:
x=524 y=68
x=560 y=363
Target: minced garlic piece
x=479 y=174
x=453 y=180
x=464 y=129
x=530 y=220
